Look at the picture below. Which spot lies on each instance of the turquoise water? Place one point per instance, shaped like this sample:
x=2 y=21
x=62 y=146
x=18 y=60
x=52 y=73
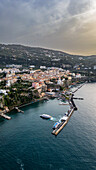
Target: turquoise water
x=26 y=141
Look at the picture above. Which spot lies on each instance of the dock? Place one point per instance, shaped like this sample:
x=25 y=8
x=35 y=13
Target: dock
x=19 y=110
x=69 y=113
x=5 y=116
x=62 y=124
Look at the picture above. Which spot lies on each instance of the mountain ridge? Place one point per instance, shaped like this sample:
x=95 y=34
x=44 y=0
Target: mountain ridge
x=26 y=56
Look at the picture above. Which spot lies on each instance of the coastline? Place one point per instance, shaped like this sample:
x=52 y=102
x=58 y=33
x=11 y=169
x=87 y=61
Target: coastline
x=32 y=102
x=23 y=105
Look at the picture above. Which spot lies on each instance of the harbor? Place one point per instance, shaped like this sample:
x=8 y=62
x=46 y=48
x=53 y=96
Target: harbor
x=62 y=124
x=26 y=139
x=64 y=120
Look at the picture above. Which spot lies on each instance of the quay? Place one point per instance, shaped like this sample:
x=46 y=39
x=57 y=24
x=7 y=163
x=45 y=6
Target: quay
x=65 y=120
x=5 y=116
x=62 y=124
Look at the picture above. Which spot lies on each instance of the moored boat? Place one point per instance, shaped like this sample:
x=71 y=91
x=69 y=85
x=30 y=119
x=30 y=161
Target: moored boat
x=62 y=103
x=64 y=118
x=56 y=125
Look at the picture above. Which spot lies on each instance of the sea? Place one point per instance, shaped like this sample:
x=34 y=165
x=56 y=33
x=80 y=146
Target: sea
x=26 y=142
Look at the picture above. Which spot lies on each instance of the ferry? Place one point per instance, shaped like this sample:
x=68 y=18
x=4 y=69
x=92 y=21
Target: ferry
x=45 y=116
x=56 y=125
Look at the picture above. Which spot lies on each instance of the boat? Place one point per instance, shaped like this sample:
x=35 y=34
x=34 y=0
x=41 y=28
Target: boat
x=62 y=103
x=66 y=114
x=64 y=118
x=56 y=125
x=45 y=116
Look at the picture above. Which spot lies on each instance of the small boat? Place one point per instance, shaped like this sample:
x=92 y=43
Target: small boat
x=56 y=125
x=62 y=103
x=45 y=116
x=66 y=114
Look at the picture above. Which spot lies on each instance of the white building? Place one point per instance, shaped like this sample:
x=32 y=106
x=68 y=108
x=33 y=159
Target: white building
x=8 y=84
x=3 y=91
x=95 y=67
x=42 y=67
x=32 y=66
x=59 y=82
x=78 y=76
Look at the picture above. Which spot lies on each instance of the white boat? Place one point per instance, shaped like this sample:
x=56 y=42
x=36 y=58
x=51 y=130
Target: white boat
x=62 y=103
x=64 y=118
x=45 y=116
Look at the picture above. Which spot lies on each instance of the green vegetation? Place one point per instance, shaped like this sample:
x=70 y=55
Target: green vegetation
x=2 y=84
x=26 y=56
x=18 y=94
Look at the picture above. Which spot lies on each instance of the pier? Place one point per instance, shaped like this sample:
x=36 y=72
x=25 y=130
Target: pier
x=62 y=124
x=5 y=116
x=19 y=110
x=73 y=108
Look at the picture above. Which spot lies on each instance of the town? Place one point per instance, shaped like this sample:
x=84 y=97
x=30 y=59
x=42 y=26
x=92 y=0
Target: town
x=19 y=87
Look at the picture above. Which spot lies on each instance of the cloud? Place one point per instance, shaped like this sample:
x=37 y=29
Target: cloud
x=50 y=23
x=21 y=15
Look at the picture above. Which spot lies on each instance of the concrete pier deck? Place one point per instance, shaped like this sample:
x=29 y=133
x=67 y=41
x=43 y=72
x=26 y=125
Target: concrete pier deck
x=62 y=124
x=19 y=110
x=5 y=116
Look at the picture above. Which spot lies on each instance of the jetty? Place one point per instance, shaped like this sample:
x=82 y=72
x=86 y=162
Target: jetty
x=19 y=110
x=64 y=120
x=62 y=124
x=5 y=116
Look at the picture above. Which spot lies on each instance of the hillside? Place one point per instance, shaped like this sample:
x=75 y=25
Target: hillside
x=26 y=56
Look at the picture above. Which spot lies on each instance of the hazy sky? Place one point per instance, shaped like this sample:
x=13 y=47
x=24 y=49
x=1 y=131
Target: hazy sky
x=68 y=25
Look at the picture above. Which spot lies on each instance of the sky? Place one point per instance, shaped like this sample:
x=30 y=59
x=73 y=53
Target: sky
x=67 y=25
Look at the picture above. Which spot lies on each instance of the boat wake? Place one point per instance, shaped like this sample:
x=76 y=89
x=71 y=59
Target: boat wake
x=53 y=119
x=20 y=163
